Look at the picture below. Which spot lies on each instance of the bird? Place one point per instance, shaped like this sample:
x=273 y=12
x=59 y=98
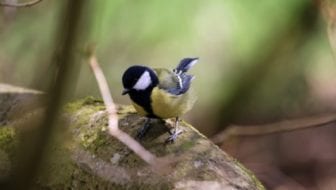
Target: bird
x=160 y=93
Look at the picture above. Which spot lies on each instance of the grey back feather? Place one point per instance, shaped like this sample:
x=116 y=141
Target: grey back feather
x=177 y=82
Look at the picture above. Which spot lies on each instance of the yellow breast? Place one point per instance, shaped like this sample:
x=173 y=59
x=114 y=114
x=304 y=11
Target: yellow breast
x=167 y=105
x=139 y=109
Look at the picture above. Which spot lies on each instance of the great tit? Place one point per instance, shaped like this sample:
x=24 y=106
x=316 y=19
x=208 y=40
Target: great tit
x=160 y=93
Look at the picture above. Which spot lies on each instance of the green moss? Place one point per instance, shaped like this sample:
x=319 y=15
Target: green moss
x=94 y=139
x=7 y=147
x=7 y=141
x=90 y=124
x=87 y=139
x=73 y=107
x=89 y=100
x=125 y=110
x=187 y=145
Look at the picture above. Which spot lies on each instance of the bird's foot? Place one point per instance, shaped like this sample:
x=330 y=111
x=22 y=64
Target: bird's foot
x=142 y=132
x=173 y=135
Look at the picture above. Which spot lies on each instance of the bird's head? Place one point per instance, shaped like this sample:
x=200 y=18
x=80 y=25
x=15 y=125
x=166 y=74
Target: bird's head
x=138 y=78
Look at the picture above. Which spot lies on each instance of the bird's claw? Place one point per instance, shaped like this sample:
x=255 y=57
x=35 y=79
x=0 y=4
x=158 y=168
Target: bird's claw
x=173 y=135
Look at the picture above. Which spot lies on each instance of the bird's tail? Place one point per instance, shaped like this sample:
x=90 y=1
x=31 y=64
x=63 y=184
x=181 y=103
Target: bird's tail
x=185 y=64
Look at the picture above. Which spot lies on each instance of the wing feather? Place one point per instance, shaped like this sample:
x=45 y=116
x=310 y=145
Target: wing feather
x=174 y=83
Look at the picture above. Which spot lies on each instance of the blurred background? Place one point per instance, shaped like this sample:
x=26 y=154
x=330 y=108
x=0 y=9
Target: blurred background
x=259 y=63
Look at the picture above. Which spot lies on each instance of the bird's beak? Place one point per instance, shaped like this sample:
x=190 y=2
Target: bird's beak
x=125 y=91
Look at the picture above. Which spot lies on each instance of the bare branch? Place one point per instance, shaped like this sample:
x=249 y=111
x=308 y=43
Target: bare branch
x=105 y=92
x=279 y=127
x=113 y=118
x=20 y=5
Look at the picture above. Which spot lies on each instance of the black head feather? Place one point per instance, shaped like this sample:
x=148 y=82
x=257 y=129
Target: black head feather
x=141 y=97
x=133 y=74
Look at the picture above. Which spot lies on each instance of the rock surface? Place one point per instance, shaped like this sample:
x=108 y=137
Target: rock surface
x=15 y=101
x=83 y=155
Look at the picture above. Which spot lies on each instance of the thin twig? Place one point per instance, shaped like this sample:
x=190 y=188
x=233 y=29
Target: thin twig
x=105 y=92
x=113 y=118
x=20 y=5
x=279 y=127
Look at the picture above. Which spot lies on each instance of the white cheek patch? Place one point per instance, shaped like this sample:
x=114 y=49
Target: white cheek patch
x=143 y=82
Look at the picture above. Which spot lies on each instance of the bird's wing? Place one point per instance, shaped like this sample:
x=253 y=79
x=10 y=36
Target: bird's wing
x=185 y=64
x=172 y=82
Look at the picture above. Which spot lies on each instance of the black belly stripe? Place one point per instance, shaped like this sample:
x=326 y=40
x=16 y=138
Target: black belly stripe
x=142 y=98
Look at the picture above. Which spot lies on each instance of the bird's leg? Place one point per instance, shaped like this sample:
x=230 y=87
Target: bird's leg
x=176 y=132
x=142 y=132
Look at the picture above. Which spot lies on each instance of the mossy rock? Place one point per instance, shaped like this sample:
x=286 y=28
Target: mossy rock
x=86 y=156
